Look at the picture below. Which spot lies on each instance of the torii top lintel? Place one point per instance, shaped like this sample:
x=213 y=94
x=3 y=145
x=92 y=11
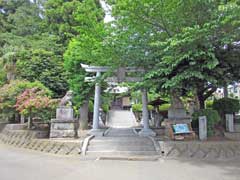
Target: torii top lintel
x=89 y=68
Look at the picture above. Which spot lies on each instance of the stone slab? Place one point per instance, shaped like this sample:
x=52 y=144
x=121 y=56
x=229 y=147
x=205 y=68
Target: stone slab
x=64 y=113
x=202 y=120
x=63 y=134
x=63 y=126
x=229 y=123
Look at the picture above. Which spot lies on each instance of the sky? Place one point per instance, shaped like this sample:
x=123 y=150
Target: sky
x=108 y=11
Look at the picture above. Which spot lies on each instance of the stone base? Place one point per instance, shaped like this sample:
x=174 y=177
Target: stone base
x=63 y=129
x=16 y=126
x=147 y=132
x=96 y=132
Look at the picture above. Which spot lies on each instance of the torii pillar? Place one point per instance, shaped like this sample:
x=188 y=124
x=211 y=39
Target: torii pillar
x=96 y=104
x=96 y=131
x=146 y=131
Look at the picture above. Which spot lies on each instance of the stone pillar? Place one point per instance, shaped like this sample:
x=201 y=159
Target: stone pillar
x=95 y=129
x=96 y=104
x=202 y=120
x=22 y=119
x=146 y=131
x=229 y=123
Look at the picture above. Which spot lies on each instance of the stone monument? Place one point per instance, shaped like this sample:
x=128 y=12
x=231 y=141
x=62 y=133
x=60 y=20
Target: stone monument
x=202 y=120
x=64 y=126
x=229 y=123
x=177 y=110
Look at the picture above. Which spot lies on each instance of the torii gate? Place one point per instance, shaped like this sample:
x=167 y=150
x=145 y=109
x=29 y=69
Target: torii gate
x=121 y=72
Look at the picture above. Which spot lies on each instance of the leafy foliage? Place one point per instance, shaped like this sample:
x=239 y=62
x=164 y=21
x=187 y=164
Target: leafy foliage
x=138 y=107
x=86 y=48
x=179 y=43
x=226 y=106
x=10 y=92
x=45 y=67
x=35 y=102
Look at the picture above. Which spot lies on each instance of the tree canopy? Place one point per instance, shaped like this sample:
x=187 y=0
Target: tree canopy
x=189 y=47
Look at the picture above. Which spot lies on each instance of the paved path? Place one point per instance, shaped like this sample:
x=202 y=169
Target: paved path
x=28 y=165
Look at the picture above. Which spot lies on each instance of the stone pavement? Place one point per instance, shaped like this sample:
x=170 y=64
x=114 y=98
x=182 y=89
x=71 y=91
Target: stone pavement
x=24 y=164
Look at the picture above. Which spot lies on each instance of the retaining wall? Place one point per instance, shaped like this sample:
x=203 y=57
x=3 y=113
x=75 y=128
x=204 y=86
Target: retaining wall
x=201 y=150
x=29 y=140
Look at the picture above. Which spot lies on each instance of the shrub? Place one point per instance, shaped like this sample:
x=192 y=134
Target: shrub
x=90 y=106
x=138 y=107
x=35 y=102
x=213 y=119
x=9 y=93
x=226 y=106
x=105 y=108
x=209 y=104
x=164 y=107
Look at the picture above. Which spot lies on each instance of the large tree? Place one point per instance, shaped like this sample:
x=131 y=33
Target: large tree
x=178 y=42
x=28 y=49
x=87 y=48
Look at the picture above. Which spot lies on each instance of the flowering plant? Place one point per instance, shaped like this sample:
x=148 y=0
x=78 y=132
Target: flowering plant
x=34 y=101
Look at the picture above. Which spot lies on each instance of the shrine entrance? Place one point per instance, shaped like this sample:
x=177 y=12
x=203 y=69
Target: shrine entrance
x=118 y=103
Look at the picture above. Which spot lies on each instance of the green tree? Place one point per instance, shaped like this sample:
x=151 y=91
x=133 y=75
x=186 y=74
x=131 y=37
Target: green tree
x=86 y=48
x=28 y=50
x=177 y=42
x=46 y=67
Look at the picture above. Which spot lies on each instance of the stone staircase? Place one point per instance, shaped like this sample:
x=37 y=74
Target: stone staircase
x=121 y=119
x=121 y=142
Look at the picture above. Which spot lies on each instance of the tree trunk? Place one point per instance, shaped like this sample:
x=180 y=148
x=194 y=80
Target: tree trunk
x=196 y=101
x=225 y=91
x=84 y=115
x=201 y=101
x=29 y=122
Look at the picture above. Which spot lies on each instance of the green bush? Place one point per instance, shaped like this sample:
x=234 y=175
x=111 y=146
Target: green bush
x=164 y=107
x=9 y=93
x=226 y=106
x=138 y=107
x=105 y=108
x=213 y=119
x=90 y=106
x=209 y=104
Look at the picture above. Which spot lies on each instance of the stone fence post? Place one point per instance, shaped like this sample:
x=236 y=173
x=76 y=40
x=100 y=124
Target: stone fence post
x=229 y=122
x=202 y=120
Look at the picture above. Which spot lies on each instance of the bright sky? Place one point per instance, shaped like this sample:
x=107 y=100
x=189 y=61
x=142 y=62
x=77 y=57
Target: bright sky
x=108 y=11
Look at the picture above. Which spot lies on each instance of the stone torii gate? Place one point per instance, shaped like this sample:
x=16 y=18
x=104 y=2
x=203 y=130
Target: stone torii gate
x=121 y=77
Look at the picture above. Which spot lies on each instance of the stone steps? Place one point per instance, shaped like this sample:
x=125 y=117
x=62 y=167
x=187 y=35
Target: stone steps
x=121 y=142
x=109 y=153
x=121 y=119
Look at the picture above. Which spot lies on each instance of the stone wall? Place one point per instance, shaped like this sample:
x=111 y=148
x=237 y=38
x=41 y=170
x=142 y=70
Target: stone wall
x=209 y=150
x=2 y=126
x=28 y=139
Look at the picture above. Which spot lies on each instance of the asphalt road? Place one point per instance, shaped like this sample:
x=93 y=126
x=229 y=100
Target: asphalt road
x=21 y=164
